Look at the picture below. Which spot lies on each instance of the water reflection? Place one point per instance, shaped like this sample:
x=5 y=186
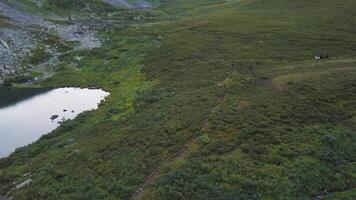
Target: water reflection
x=9 y=95
x=26 y=115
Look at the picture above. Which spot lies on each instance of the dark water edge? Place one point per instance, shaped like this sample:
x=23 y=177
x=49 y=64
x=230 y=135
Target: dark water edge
x=11 y=95
x=28 y=114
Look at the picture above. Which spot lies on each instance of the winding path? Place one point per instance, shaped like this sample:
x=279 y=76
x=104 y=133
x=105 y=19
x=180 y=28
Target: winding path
x=183 y=152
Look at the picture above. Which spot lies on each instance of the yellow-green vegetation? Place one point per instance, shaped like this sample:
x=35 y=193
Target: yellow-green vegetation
x=219 y=100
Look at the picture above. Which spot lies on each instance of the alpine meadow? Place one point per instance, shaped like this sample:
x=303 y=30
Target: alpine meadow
x=209 y=99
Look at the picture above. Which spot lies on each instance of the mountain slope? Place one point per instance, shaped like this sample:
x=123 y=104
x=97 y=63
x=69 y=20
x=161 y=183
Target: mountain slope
x=133 y=3
x=219 y=100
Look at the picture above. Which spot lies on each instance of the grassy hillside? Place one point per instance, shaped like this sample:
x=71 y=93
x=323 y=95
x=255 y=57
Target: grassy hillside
x=223 y=101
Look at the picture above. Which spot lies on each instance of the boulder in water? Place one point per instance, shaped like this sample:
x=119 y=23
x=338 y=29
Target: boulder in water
x=54 y=117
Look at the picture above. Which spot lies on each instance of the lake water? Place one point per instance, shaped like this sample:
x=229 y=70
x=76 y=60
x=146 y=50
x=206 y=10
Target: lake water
x=25 y=114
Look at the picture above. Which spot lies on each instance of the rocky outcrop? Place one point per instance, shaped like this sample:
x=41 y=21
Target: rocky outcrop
x=3 y=198
x=141 y=4
x=26 y=30
x=87 y=39
x=118 y=3
x=124 y=3
x=24 y=184
x=15 y=43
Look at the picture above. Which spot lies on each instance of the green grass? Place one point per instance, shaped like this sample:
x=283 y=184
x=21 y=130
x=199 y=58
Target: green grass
x=224 y=102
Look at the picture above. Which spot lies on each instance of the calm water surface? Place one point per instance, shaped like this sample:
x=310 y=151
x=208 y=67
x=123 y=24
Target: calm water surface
x=25 y=113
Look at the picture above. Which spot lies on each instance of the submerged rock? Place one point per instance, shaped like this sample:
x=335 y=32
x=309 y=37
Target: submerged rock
x=54 y=117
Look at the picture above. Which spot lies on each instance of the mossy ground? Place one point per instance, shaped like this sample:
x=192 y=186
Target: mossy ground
x=225 y=101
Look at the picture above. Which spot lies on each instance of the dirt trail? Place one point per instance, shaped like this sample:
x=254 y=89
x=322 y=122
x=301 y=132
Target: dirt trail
x=185 y=151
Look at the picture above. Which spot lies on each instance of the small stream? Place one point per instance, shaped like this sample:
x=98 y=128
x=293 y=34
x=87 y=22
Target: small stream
x=25 y=114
